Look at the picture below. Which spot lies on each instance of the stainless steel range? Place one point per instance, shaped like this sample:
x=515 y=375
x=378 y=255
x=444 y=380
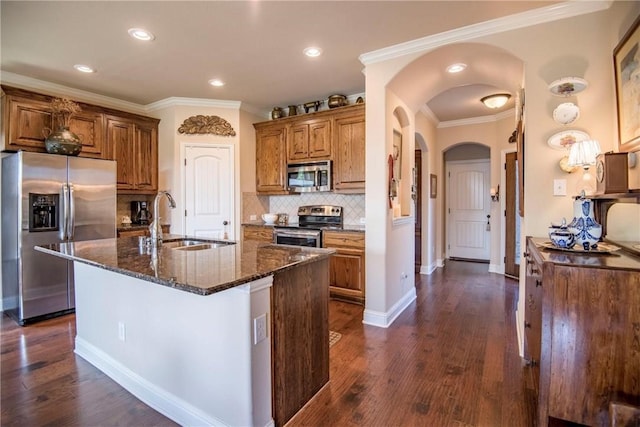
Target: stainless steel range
x=311 y=221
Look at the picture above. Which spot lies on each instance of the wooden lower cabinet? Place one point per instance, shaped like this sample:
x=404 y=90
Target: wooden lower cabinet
x=347 y=272
x=589 y=340
x=258 y=233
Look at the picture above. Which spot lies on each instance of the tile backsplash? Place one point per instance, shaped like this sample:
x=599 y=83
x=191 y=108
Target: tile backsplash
x=353 y=205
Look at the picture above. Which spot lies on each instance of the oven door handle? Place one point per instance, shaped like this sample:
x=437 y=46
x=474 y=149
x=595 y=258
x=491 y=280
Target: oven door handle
x=286 y=233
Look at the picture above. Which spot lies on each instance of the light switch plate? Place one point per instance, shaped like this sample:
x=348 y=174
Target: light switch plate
x=559 y=187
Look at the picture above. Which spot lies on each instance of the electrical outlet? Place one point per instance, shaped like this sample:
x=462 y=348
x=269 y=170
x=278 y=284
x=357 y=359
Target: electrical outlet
x=122 y=332
x=260 y=329
x=252 y=217
x=363 y=220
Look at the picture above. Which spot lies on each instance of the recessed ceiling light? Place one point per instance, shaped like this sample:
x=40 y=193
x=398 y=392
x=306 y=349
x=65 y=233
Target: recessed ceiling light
x=141 y=34
x=312 y=52
x=216 y=82
x=84 y=68
x=456 y=68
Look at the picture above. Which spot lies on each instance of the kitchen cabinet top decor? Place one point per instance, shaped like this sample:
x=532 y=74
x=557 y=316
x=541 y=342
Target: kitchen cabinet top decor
x=202 y=272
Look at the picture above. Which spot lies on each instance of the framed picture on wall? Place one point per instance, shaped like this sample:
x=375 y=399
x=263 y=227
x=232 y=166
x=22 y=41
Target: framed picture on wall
x=626 y=61
x=397 y=155
x=433 y=186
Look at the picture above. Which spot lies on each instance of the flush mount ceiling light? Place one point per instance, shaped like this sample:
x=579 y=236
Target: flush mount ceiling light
x=84 y=68
x=312 y=52
x=216 y=82
x=496 y=100
x=141 y=34
x=456 y=68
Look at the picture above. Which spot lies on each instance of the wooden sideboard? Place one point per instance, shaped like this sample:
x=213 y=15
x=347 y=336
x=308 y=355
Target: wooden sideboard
x=582 y=332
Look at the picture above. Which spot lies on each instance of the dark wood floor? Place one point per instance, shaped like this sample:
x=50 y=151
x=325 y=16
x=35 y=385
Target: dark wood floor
x=450 y=359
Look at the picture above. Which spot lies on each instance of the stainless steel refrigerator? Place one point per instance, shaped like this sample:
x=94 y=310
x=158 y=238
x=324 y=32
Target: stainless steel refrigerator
x=48 y=198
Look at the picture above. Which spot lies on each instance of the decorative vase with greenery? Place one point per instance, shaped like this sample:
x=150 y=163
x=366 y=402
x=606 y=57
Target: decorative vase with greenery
x=62 y=140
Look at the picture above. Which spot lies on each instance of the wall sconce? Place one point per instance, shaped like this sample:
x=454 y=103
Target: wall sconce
x=495 y=193
x=496 y=100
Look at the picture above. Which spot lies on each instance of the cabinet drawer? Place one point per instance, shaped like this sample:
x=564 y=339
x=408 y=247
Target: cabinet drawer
x=262 y=234
x=341 y=239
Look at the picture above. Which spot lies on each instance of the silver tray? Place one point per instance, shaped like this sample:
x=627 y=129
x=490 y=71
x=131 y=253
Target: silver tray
x=603 y=248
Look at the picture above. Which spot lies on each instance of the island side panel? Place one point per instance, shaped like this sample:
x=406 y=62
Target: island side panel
x=300 y=307
x=191 y=357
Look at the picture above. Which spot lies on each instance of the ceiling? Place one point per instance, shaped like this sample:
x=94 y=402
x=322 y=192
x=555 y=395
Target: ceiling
x=254 y=46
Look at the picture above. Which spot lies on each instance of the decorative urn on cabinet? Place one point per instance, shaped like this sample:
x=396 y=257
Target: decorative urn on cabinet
x=584 y=226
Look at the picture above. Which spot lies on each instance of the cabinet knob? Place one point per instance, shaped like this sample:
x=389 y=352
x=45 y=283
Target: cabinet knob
x=538 y=283
x=527 y=325
x=526 y=254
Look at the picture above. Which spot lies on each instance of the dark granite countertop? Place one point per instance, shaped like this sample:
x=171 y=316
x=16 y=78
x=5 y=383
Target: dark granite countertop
x=345 y=227
x=202 y=272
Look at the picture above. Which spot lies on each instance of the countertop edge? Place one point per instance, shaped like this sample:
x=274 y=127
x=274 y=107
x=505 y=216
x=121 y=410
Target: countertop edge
x=320 y=254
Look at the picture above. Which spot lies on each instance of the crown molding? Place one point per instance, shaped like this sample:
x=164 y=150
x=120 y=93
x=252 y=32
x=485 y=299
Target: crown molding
x=54 y=89
x=494 y=26
x=175 y=101
x=477 y=120
x=429 y=114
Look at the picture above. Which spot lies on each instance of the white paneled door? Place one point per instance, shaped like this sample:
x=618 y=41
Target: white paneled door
x=468 y=201
x=209 y=184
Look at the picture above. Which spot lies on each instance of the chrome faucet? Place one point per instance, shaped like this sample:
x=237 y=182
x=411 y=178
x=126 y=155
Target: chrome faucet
x=155 y=230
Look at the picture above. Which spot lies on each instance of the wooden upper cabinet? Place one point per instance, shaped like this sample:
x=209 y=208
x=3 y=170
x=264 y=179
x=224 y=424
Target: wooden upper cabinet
x=349 y=151
x=89 y=126
x=25 y=122
x=146 y=154
x=271 y=159
x=310 y=140
x=28 y=118
x=135 y=148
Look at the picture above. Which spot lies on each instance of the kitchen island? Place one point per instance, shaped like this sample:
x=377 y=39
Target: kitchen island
x=231 y=335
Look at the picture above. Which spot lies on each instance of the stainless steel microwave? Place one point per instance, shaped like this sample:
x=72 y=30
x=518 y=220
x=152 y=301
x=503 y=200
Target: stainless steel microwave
x=309 y=176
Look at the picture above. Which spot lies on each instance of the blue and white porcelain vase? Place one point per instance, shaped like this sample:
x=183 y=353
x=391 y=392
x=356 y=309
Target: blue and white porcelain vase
x=584 y=225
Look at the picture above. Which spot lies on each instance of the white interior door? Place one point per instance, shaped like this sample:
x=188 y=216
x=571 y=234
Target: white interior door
x=468 y=202
x=209 y=184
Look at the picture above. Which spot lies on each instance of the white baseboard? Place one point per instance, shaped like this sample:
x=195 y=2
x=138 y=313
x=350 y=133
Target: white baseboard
x=428 y=269
x=166 y=403
x=496 y=268
x=384 y=320
x=440 y=262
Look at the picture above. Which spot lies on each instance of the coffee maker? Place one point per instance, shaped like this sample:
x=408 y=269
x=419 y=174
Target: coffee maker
x=140 y=214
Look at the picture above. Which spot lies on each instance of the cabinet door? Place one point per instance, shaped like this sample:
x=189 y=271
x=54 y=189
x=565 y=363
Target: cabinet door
x=146 y=157
x=349 y=153
x=320 y=139
x=271 y=160
x=27 y=121
x=89 y=127
x=120 y=138
x=345 y=273
x=298 y=142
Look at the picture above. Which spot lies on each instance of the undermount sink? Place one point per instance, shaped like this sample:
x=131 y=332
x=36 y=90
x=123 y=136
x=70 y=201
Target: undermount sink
x=194 y=244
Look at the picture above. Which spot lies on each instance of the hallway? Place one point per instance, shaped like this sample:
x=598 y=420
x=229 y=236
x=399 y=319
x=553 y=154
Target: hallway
x=451 y=359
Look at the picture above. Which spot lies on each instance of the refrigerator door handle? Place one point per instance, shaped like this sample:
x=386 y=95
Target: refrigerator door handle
x=72 y=214
x=64 y=211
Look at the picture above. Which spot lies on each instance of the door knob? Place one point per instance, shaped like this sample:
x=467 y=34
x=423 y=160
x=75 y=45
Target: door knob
x=225 y=222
